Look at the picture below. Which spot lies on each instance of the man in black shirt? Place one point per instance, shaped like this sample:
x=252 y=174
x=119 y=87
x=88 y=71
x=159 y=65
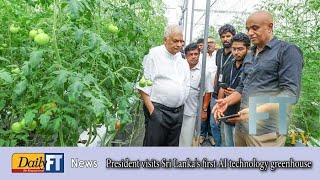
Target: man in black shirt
x=232 y=71
x=271 y=70
x=224 y=55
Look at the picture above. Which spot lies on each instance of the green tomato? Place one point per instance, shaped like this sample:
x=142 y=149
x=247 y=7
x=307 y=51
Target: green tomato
x=42 y=39
x=16 y=127
x=40 y=31
x=149 y=82
x=112 y=28
x=33 y=34
x=23 y=123
x=14 y=29
x=16 y=71
x=32 y=126
x=142 y=82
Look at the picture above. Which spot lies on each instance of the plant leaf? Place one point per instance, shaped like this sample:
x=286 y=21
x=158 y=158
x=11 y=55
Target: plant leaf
x=44 y=119
x=30 y=115
x=6 y=76
x=35 y=58
x=21 y=87
x=71 y=121
x=56 y=124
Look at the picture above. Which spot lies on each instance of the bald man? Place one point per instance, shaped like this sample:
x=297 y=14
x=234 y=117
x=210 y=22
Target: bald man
x=164 y=100
x=273 y=68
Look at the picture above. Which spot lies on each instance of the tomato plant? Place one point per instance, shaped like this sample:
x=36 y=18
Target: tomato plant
x=112 y=28
x=14 y=29
x=42 y=39
x=118 y=124
x=33 y=33
x=64 y=71
x=16 y=127
x=149 y=82
x=142 y=82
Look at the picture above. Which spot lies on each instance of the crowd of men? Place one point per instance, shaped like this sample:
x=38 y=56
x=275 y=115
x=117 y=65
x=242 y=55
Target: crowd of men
x=255 y=64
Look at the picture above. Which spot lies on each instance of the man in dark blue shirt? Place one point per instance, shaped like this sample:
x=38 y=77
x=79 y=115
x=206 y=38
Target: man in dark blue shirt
x=232 y=72
x=273 y=68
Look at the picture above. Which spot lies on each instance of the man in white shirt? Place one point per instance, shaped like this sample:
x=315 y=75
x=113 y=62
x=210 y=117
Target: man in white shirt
x=190 y=108
x=163 y=101
x=205 y=132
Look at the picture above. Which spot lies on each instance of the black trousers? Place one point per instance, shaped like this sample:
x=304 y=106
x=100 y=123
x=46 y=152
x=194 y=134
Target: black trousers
x=163 y=126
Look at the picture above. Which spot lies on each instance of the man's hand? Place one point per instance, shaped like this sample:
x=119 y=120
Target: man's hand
x=219 y=108
x=244 y=116
x=147 y=102
x=151 y=109
x=204 y=115
x=228 y=91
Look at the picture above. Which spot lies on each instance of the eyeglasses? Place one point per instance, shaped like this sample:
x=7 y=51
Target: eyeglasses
x=238 y=49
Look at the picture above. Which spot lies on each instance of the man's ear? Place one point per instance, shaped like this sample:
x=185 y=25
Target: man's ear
x=271 y=26
x=164 y=39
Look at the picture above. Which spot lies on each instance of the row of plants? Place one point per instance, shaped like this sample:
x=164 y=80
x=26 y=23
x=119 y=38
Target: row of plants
x=68 y=65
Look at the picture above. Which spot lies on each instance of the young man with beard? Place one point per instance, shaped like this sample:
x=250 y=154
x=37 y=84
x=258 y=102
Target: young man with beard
x=224 y=55
x=272 y=69
x=232 y=71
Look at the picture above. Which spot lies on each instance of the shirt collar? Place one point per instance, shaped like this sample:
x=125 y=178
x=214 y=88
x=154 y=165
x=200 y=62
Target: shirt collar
x=168 y=53
x=224 y=53
x=234 y=64
x=198 y=66
x=269 y=45
x=213 y=54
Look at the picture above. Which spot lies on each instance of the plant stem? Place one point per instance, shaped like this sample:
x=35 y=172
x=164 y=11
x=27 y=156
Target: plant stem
x=95 y=133
x=125 y=67
x=54 y=36
x=61 y=136
x=112 y=137
x=90 y=134
x=122 y=68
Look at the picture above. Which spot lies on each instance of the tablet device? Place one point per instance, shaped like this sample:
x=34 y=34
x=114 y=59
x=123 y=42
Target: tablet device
x=223 y=85
x=225 y=118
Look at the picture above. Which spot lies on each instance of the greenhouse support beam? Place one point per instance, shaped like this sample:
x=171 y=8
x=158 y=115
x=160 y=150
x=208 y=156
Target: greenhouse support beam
x=203 y=71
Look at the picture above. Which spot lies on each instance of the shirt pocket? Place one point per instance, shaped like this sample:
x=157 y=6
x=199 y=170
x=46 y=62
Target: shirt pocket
x=248 y=72
x=269 y=67
x=195 y=80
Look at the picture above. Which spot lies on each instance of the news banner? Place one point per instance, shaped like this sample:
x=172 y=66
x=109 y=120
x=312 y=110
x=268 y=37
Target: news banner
x=158 y=163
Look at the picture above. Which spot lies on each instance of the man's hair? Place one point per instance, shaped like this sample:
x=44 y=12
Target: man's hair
x=227 y=28
x=173 y=28
x=191 y=47
x=241 y=37
x=201 y=40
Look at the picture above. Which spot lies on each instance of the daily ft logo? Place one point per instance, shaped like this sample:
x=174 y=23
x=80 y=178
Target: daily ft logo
x=37 y=163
